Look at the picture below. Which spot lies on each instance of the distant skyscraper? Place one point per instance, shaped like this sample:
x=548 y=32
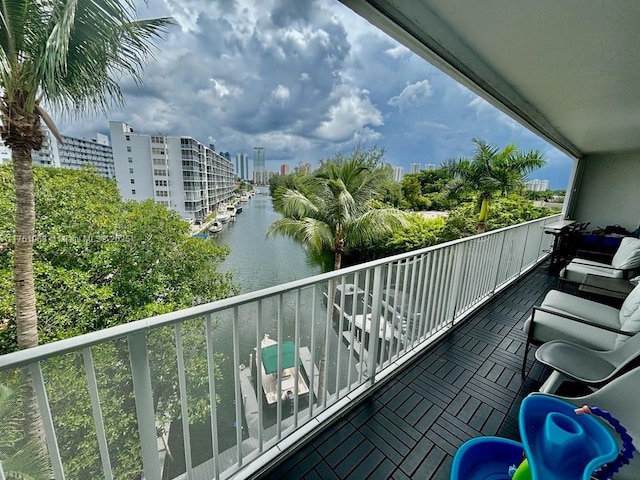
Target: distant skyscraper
x=415 y=167
x=258 y=159
x=398 y=172
x=537 y=185
x=429 y=166
x=242 y=166
x=284 y=169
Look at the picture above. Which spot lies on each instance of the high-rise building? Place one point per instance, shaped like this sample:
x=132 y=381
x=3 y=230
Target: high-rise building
x=263 y=177
x=429 y=166
x=74 y=153
x=259 y=164
x=537 y=185
x=242 y=166
x=398 y=172
x=415 y=167
x=178 y=172
x=284 y=169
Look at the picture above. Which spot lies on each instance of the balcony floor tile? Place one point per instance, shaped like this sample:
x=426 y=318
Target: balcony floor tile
x=466 y=386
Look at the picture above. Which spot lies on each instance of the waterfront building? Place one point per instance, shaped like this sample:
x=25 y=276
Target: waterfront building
x=284 y=169
x=259 y=159
x=398 y=173
x=242 y=166
x=263 y=177
x=178 y=172
x=537 y=185
x=304 y=168
x=429 y=166
x=73 y=152
x=415 y=167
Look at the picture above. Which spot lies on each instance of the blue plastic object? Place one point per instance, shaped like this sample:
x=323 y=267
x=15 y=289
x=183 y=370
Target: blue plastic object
x=560 y=444
x=486 y=458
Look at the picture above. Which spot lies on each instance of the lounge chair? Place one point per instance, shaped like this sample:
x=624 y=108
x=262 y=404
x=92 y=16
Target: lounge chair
x=562 y=316
x=620 y=398
x=624 y=263
x=590 y=367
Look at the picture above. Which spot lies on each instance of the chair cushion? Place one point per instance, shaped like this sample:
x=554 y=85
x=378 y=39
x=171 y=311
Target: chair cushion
x=628 y=254
x=553 y=327
x=630 y=315
x=579 y=268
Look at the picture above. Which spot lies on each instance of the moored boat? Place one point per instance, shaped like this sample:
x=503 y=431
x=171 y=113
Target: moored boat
x=267 y=363
x=215 y=227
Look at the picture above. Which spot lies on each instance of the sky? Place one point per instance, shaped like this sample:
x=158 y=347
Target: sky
x=305 y=79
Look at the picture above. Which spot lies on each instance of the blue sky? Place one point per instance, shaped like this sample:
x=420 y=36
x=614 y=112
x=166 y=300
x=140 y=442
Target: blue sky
x=306 y=79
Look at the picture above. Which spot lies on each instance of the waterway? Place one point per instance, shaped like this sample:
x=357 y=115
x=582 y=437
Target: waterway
x=258 y=262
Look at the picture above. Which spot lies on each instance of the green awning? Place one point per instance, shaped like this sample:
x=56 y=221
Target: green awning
x=270 y=356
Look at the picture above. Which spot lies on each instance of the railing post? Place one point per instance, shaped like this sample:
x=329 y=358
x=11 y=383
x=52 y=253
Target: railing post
x=143 y=395
x=497 y=267
x=374 y=334
x=456 y=288
x=49 y=430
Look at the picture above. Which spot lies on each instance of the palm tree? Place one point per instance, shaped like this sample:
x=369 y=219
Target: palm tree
x=491 y=172
x=332 y=211
x=68 y=54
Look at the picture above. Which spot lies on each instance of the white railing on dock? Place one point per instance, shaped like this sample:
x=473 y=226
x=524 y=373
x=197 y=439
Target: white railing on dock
x=129 y=388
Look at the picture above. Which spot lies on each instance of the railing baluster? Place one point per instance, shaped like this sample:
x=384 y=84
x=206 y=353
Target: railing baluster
x=352 y=327
x=92 y=385
x=182 y=385
x=35 y=373
x=296 y=361
x=365 y=310
x=280 y=335
x=343 y=285
x=330 y=294
x=141 y=375
x=376 y=305
x=237 y=391
x=312 y=374
x=212 y=395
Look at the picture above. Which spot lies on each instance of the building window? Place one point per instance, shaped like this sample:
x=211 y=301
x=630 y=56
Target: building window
x=127 y=137
x=133 y=192
x=128 y=149
x=130 y=159
x=131 y=170
x=133 y=181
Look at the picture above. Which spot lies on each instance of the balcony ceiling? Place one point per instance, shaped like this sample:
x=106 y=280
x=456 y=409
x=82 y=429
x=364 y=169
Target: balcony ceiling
x=569 y=70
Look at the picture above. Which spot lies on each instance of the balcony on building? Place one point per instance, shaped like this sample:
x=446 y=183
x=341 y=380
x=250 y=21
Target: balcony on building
x=398 y=404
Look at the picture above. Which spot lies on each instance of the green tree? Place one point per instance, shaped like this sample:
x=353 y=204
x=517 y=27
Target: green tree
x=68 y=54
x=491 y=172
x=101 y=262
x=332 y=210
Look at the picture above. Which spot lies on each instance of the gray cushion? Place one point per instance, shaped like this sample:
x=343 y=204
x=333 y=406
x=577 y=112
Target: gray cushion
x=628 y=254
x=579 y=268
x=553 y=327
x=629 y=315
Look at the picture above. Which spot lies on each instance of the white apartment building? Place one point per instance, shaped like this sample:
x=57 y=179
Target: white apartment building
x=415 y=167
x=263 y=177
x=178 y=172
x=242 y=166
x=537 y=185
x=398 y=173
x=74 y=153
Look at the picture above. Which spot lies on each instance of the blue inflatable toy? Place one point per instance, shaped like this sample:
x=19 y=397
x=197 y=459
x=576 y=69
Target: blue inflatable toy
x=559 y=442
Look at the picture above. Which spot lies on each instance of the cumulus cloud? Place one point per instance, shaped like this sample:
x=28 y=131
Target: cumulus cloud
x=351 y=113
x=412 y=95
x=398 y=51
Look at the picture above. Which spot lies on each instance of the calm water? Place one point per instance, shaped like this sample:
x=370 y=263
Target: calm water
x=255 y=261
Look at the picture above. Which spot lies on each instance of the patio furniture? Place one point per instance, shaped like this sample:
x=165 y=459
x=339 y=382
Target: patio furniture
x=620 y=398
x=615 y=288
x=625 y=261
x=590 y=367
x=562 y=316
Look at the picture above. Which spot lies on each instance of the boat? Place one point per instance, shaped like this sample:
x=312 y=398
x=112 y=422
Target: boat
x=223 y=215
x=267 y=365
x=244 y=197
x=231 y=210
x=215 y=226
x=238 y=208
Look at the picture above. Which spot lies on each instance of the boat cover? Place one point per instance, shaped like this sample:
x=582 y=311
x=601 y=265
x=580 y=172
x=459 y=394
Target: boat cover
x=270 y=356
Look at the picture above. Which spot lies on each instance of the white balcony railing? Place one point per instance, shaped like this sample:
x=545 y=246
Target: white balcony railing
x=200 y=364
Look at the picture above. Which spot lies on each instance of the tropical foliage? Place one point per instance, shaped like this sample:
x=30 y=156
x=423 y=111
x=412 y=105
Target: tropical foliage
x=101 y=262
x=69 y=55
x=493 y=171
x=331 y=211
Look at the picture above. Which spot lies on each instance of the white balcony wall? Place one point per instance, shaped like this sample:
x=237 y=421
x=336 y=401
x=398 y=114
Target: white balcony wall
x=609 y=191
